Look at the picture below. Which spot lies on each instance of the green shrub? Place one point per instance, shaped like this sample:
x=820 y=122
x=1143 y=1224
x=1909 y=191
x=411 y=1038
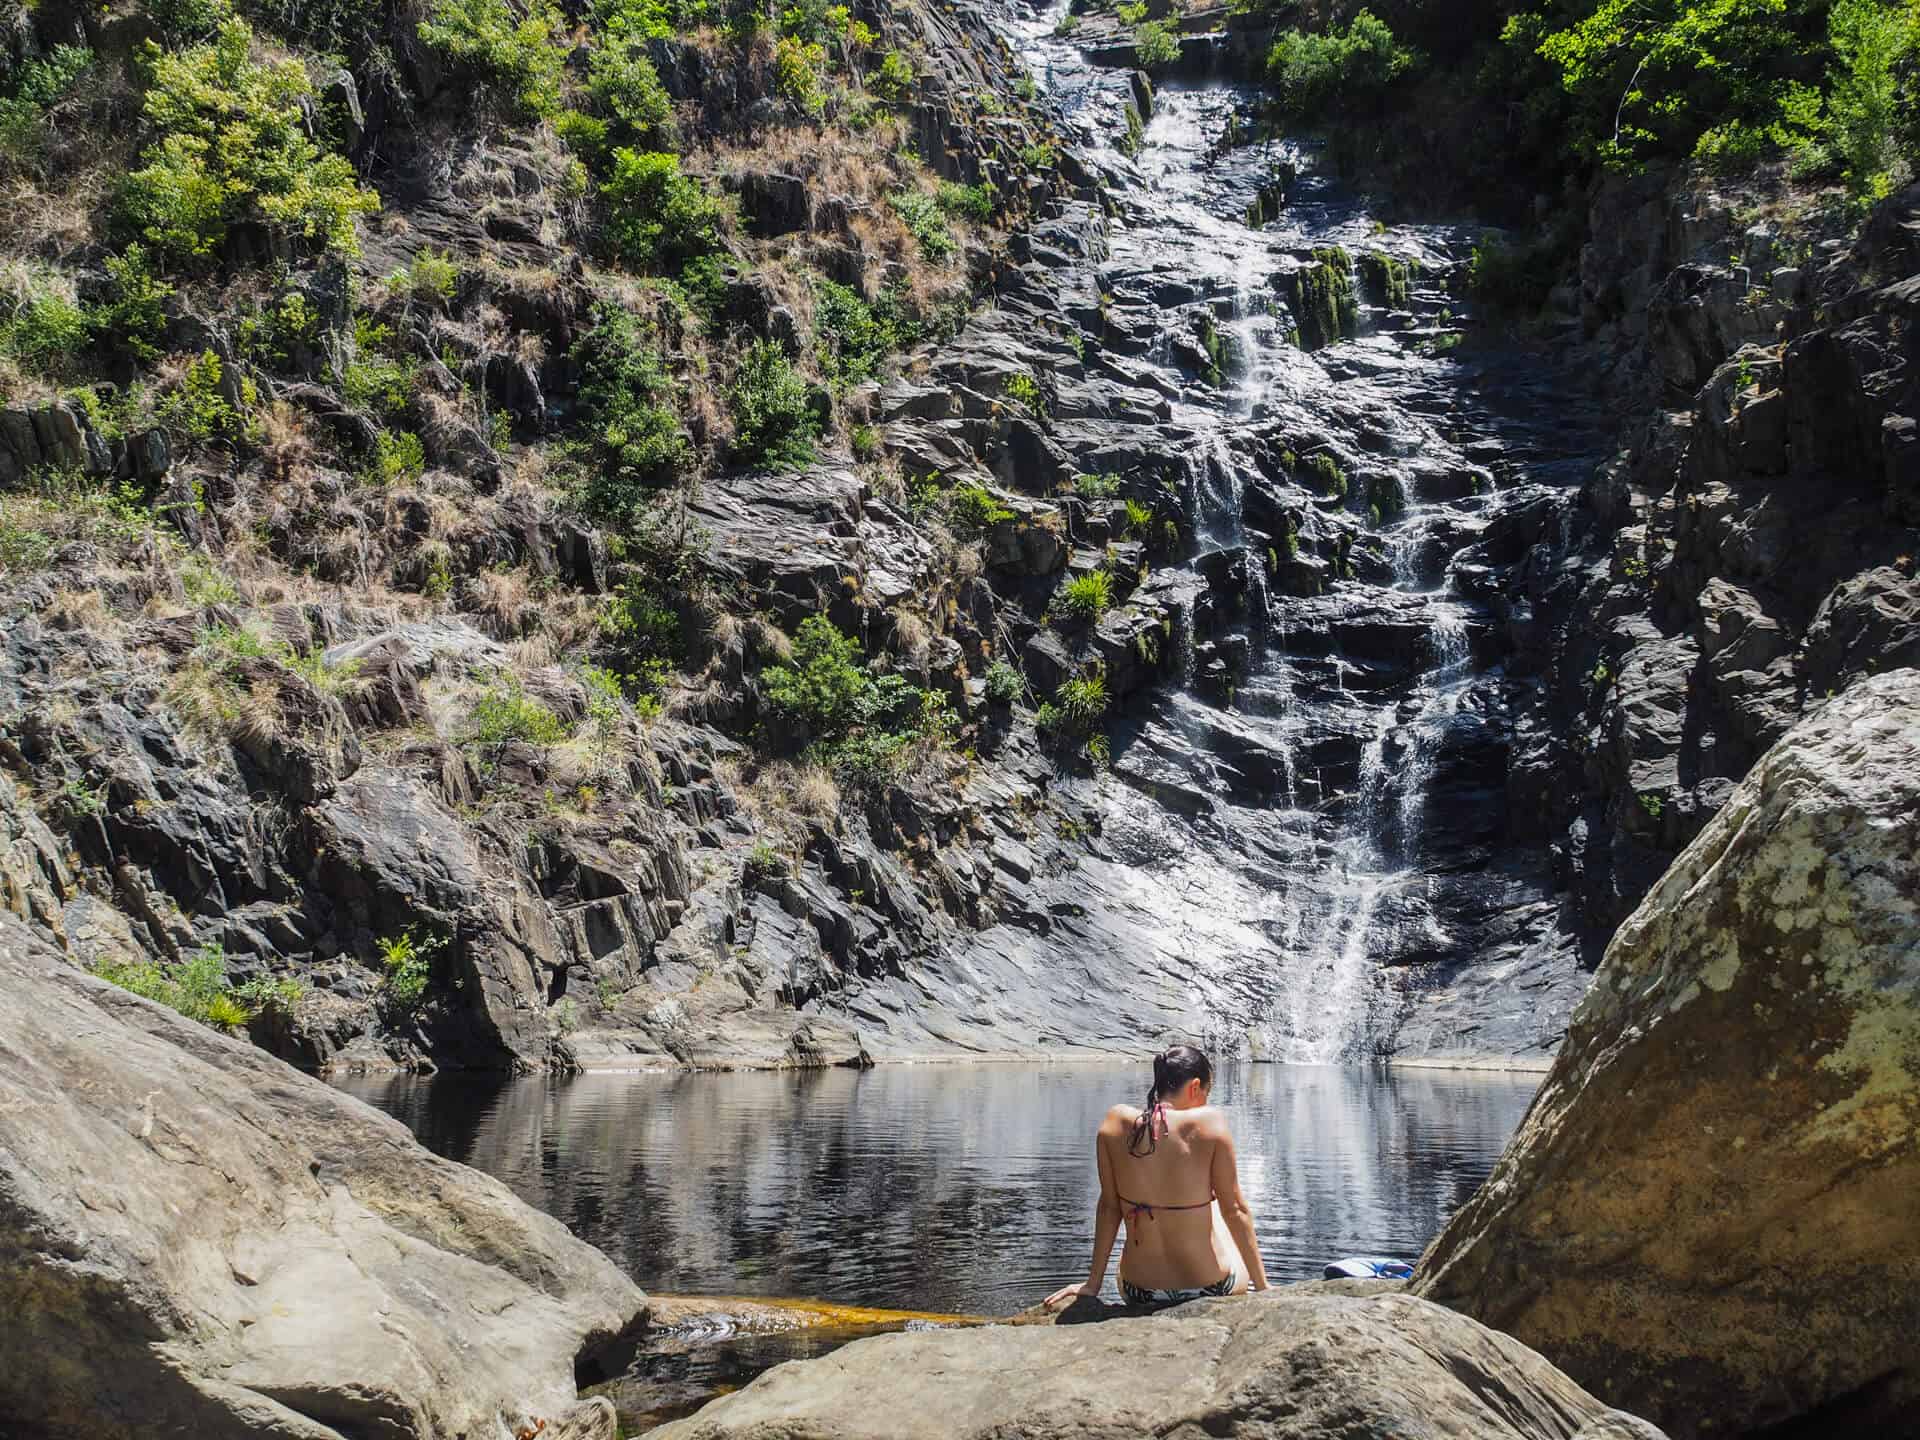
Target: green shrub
x=1155 y=42
x=625 y=92
x=1139 y=517
x=134 y=316
x=515 y=52
x=798 y=66
x=1512 y=279
x=26 y=109
x=46 y=329
x=656 y=216
x=865 y=441
x=232 y=146
x=1005 y=683
x=1872 y=43
x=406 y=964
x=922 y=215
x=634 y=440
x=1039 y=156
x=644 y=631
x=199 y=412
x=431 y=277
x=377 y=377
x=1084 y=598
x=504 y=711
x=850 y=339
x=972 y=508
x=764 y=864
x=823 y=684
x=1313 y=74
x=195 y=986
x=398 y=457
x=970 y=202
x=1097 y=487
x=893 y=79
x=774 y=421
x=270 y=995
x=1023 y=389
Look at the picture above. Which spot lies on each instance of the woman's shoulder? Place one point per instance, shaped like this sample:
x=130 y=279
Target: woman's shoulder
x=1119 y=1118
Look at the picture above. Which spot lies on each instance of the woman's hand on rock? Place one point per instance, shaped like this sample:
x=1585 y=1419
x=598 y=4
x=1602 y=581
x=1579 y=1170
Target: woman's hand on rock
x=1068 y=1294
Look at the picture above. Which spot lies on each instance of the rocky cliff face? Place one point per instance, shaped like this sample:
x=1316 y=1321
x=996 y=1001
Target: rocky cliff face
x=1751 y=550
x=1382 y=704
x=1706 y=1213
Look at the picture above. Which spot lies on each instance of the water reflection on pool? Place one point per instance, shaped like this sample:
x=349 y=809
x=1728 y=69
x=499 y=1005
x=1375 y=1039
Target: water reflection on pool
x=948 y=1188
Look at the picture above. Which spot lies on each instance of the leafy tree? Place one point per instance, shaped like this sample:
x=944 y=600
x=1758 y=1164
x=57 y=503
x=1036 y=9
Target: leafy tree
x=774 y=421
x=657 y=216
x=1312 y=74
x=824 y=684
x=634 y=441
x=233 y=146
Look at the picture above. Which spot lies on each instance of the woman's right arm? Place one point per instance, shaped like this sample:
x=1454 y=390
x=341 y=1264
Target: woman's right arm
x=1106 y=1225
x=1234 y=1208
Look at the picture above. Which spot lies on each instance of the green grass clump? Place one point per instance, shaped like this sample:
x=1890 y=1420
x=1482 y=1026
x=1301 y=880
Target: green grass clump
x=1084 y=598
x=925 y=220
x=973 y=508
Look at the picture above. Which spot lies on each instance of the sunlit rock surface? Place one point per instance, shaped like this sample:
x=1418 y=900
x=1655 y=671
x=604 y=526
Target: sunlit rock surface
x=1709 y=1214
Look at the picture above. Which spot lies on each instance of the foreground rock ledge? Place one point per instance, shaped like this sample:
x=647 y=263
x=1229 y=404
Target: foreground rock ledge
x=196 y=1239
x=1302 y=1363
x=1710 y=1213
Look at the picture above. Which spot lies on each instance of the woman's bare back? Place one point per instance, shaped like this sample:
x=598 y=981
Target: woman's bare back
x=1176 y=1237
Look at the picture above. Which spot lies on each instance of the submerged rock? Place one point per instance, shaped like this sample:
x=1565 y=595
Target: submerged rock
x=1708 y=1215
x=1301 y=1363
x=196 y=1239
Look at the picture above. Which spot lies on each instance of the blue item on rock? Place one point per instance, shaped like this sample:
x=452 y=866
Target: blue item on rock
x=1369 y=1267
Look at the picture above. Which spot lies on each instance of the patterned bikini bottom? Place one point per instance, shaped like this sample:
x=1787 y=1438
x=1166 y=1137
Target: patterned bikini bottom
x=1138 y=1295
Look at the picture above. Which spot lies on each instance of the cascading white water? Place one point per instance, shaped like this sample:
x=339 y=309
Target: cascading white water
x=1266 y=739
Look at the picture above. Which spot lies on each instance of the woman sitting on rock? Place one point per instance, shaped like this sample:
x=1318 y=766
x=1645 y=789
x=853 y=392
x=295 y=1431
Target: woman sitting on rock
x=1168 y=1170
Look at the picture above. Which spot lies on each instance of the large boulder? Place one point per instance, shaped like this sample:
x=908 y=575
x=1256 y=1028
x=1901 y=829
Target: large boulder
x=1301 y=1363
x=1709 y=1214
x=196 y=1239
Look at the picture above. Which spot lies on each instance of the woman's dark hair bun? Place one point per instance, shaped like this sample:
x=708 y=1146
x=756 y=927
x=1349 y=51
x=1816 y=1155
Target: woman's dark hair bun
x=1172 y=1069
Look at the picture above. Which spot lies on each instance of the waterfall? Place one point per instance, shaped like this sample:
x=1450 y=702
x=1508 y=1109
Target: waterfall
x=1319 y=730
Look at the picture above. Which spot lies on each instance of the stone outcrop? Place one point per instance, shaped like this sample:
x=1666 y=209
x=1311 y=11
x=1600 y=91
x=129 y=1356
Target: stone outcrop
x=1302 y=1363
x=197 y=1239
x=1708 y=1215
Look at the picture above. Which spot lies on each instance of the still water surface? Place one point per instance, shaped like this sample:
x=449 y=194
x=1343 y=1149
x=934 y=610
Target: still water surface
x=966 y=1189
